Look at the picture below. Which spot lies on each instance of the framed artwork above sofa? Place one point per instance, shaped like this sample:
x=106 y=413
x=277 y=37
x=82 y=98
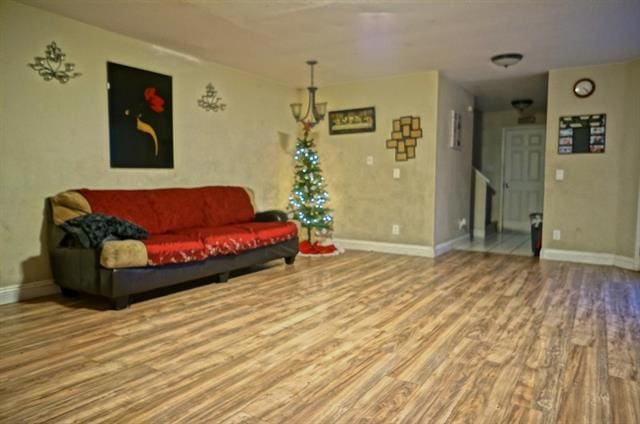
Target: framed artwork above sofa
x=140 y=118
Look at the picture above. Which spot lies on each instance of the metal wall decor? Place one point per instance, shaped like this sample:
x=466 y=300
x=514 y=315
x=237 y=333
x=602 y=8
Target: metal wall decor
x=404 y=137
x=210 y=100
x=53 y=66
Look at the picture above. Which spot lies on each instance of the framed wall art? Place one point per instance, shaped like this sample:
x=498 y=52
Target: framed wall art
x=582 y=134
x=352 y=121
x=405 y=133
x=455 y=134
x=140 y=118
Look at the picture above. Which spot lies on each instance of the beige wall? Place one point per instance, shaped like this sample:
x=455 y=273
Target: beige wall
x=453 y=169
x=492 y=126
x=595 y=207
x=55 y=136
x=366 y=199
x=480 y=187
x=629 y=167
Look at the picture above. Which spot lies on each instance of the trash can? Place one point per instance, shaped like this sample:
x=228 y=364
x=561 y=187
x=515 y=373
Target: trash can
x=536 y=232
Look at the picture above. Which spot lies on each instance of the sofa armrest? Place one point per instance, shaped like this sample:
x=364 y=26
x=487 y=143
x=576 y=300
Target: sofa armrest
x=273 y=215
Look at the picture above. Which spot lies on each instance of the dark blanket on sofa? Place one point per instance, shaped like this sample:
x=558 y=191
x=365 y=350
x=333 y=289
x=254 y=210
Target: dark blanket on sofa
x=91 y=230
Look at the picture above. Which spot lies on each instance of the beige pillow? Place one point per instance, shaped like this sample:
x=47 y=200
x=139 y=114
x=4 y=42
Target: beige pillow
x=68 y=205
x=123 y=254
x=252 y=198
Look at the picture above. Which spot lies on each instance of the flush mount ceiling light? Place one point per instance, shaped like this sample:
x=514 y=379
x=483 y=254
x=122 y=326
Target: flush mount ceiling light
x=522 y=104
x=506 y=59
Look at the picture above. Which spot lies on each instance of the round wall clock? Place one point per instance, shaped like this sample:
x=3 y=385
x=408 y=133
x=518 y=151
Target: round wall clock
x=584 y=87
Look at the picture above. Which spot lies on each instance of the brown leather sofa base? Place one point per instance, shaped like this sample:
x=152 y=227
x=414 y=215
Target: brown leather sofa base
x=79 y=270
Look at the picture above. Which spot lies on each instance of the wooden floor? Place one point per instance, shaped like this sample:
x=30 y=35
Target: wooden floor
x=362 y=337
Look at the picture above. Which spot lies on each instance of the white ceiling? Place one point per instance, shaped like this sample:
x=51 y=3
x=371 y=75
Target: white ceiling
x=362 y=39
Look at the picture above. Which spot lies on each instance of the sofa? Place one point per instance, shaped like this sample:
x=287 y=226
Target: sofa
x=193 y=233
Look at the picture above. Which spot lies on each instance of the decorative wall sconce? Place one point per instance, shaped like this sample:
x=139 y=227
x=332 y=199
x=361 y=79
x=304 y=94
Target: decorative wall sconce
x=210 y=100
x=53 y=66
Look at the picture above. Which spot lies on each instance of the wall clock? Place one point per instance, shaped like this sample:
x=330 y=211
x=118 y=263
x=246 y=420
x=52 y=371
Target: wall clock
x=584 y=87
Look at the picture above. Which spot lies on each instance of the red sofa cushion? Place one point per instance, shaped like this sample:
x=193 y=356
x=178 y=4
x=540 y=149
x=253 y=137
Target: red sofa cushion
x=124 y=204
x=224 y=240
x=227 y=205
x=161 y=211
x=233 y=239
x=163 y=249
x=269 y=233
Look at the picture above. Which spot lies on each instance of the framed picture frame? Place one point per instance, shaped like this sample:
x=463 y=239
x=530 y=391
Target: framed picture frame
x=455 y=140
x=140 y=118
x=405 y=133
x=352 y=121
x=582 y=134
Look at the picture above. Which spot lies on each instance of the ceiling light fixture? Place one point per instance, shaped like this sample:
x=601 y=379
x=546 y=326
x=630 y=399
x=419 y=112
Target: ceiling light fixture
x=315 y=111
x=506 y=59
x=522 y=104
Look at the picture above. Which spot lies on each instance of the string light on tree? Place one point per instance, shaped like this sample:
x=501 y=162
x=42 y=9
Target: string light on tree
x=309 y=196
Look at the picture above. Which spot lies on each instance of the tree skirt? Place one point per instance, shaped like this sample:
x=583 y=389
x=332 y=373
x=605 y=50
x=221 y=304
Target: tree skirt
x=317 y=249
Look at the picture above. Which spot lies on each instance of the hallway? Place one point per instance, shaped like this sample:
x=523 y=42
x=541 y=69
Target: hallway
x=507 y=242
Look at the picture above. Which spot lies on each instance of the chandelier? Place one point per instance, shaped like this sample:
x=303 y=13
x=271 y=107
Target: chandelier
x=315 y=111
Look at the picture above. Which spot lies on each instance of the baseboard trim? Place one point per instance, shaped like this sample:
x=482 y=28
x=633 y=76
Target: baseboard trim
x=395 y=248
x=626 y=263
x=590 y=258
x=443 y=248
x=18 y=292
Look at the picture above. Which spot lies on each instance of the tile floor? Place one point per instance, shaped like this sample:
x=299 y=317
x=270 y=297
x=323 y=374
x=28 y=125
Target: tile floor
x=506 y=242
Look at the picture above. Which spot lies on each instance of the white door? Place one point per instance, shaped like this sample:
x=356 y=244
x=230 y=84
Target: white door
x=523 y=176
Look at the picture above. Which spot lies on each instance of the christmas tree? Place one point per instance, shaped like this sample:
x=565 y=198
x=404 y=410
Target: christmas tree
x=308 y=196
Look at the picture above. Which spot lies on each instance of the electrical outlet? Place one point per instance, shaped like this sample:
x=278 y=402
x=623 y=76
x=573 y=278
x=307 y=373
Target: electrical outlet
x=556 y=234
x=462 y=222
x=395 y=229
x=396 y=173
x=559 y=174
x=369 y=160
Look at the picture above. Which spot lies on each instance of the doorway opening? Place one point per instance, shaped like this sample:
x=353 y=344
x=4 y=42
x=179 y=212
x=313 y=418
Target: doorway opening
x=508 y=175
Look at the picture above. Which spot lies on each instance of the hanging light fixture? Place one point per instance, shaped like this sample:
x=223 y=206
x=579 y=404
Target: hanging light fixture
x=315 y=111
x=522 y=104
x=506 y=59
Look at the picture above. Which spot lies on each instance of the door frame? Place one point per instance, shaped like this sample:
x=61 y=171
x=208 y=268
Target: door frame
x=505 y=130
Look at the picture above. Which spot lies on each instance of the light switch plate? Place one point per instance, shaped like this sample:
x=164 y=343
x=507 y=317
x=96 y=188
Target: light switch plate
x=559 y=174
x=396 y=173
x=369 y=160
